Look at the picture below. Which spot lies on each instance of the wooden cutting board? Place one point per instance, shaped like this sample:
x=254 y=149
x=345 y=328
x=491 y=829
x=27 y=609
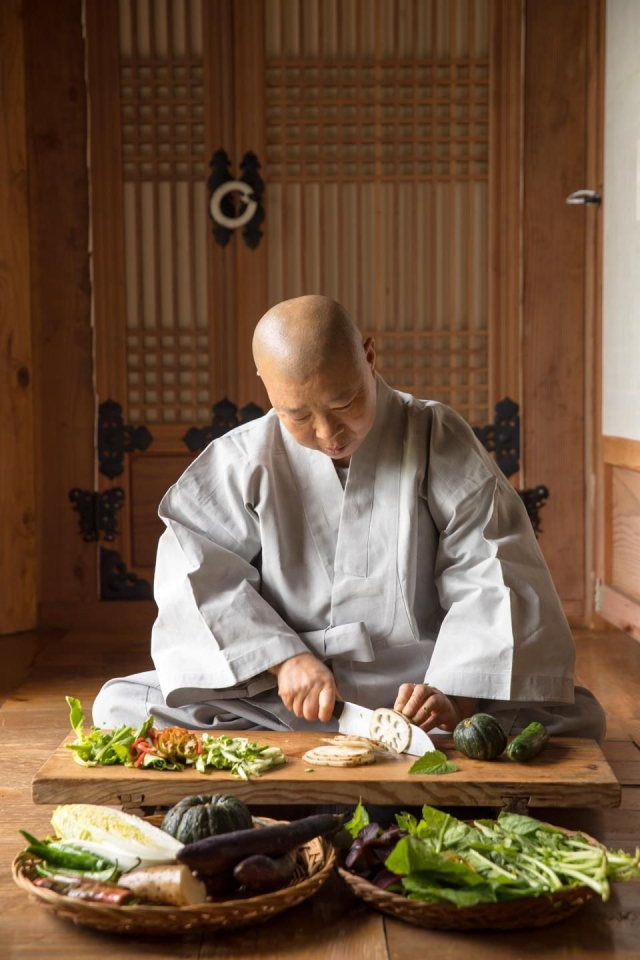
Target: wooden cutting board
x=568 y=773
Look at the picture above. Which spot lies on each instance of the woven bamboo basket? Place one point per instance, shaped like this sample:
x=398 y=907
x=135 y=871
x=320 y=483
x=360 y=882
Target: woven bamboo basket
x=315 y=862
x=509 y=915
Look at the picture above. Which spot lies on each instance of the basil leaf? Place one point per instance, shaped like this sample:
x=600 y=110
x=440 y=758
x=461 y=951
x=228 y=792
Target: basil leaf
x=359 y=820
x=433 y=762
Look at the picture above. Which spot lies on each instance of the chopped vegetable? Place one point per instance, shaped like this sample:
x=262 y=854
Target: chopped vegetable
x=441 y=860
x=126 y=840
x=391 y=728
x=433 y=762
x=344 y=754
x=172 y=884
x=244 y=758
x=170 y=749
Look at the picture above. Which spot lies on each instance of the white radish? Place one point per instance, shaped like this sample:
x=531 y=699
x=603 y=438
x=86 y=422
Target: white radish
x=172 y=884
x=391 y=728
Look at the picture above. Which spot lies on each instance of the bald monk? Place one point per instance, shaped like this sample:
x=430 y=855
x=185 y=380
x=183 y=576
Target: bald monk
x=355 y=542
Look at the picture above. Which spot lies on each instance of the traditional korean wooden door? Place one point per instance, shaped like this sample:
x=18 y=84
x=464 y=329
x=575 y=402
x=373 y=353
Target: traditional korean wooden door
x=370 y=133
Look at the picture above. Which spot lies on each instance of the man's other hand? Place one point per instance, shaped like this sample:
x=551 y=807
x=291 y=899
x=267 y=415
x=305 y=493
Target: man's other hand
x=429 y=708
x=306 y=687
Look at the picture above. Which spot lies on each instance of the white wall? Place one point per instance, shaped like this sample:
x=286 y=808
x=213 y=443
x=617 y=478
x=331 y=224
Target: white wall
x=621 y=295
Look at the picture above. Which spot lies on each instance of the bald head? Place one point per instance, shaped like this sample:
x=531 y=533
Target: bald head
x=318 y=373
x=297 y=337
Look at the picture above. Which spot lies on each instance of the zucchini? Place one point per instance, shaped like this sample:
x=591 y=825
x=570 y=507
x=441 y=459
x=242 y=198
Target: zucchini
x=529 y=743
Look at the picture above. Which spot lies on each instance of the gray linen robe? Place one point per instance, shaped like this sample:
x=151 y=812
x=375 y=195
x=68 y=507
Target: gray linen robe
x=425 y=568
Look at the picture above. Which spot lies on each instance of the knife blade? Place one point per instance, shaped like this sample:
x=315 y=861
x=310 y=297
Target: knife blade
x=355 y=721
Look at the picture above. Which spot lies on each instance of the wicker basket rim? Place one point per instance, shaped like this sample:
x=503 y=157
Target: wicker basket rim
x=22 y=859
x=397 y=900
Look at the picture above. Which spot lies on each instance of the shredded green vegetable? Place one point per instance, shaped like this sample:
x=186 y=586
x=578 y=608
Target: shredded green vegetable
x=244 y=758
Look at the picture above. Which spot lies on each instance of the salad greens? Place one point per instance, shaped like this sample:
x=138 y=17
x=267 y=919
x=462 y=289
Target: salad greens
x=440 y=859
x=102 y=747
x=170 y=749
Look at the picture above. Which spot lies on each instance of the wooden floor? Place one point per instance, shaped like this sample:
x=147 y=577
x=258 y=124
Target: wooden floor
x=39 y=669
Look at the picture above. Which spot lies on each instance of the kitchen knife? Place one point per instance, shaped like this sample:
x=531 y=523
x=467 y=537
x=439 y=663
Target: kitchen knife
x=356 y=721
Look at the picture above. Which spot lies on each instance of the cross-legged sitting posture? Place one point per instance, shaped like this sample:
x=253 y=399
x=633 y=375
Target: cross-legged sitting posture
x=354 y=543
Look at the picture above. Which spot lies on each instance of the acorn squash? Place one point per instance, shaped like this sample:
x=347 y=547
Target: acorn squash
x=480 y=737
x=197 y=817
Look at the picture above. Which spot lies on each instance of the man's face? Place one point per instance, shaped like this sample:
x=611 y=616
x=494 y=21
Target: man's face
x=333 y=410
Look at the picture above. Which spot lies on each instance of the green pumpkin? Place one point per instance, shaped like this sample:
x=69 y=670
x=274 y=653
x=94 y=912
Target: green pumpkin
x=197 y=817
x=480 y=737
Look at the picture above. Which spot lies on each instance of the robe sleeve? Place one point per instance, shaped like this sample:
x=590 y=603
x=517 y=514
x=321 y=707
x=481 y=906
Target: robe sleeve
x=214 y=635
x=504 y=635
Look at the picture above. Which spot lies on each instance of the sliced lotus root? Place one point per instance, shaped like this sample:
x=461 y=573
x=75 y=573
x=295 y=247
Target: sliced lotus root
x=391 y=728
x=343 y=755
x=377 y=745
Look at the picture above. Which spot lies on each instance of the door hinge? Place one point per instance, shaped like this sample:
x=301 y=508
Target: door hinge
x=597 y=595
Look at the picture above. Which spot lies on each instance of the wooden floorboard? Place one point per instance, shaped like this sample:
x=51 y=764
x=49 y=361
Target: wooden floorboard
x=34 y=719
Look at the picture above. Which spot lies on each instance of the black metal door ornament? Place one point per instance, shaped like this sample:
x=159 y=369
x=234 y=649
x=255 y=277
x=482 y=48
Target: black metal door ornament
x=115 y=438
x=502 y=439
x=226 y=416
x=222 y=210
x=97 y=512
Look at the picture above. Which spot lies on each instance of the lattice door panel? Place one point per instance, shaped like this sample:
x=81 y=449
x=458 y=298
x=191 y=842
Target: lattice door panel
x=377 y=179
x=165 y=168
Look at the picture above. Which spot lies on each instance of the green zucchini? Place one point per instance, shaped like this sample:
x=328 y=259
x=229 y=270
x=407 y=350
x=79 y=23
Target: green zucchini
x=529 y=743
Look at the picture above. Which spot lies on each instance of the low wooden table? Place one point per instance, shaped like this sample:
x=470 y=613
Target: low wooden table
x=570 y=772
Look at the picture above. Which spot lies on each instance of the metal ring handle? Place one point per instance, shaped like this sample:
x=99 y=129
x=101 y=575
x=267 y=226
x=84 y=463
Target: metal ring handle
x=233 y=186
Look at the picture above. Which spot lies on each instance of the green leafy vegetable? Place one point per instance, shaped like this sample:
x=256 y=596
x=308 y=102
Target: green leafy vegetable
x=440 y=859
x=433 y=762
x=359 y=820
x=244 y=758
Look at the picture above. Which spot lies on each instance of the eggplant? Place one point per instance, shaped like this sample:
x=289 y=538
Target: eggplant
x=261 y=874
x=214 y=856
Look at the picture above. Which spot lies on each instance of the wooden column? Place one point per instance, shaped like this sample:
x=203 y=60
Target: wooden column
x=17 y=497
x=556 y=407
x=61 y=291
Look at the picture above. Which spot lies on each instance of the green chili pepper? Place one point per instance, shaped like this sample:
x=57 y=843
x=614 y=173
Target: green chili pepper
x=99 y=876
x=64 y=855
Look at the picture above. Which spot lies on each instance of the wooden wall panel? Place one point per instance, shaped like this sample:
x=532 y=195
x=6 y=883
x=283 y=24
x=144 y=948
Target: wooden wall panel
x=17 y=495
x=554 y=281
x=620 y=570
x=625 y=531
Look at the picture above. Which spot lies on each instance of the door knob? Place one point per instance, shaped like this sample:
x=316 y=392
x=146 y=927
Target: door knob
x=584 y=196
